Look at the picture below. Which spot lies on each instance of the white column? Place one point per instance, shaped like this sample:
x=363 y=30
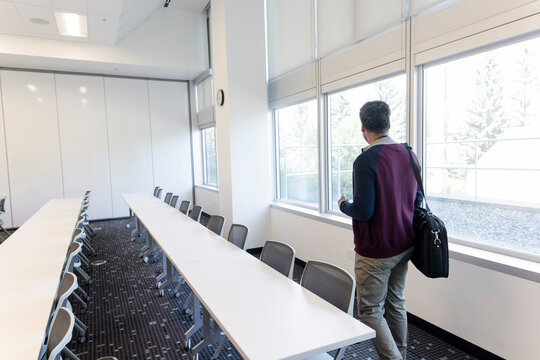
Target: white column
x=242 y=123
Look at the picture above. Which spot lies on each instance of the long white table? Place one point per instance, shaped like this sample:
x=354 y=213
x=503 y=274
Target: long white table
x=265 y=314
x=31 y=263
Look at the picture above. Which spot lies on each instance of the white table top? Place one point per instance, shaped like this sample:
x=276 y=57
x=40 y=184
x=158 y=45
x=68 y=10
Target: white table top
x=265 y=314
x=31 y=263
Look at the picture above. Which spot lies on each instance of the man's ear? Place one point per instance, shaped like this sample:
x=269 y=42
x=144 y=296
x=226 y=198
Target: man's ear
x=363 y=129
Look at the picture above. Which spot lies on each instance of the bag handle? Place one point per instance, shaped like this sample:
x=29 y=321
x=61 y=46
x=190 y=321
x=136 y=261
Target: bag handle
x=416 y=172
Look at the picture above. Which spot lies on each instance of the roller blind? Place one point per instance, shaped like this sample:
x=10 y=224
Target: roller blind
x=205 y=103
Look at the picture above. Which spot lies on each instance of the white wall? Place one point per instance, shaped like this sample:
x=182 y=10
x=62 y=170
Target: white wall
x=66 y=134
x=170 y=44
x=245 y=180
x=4 y=180
x=33 y=143
x=83 y=139
x=171 y=151
x=208 y=199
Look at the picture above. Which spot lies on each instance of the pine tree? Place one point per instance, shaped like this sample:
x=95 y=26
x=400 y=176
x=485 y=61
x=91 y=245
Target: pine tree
x=487 y=119
x=395 y=100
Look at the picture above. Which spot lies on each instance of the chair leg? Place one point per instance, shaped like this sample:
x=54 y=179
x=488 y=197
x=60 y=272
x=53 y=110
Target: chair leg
x=84 y=275
x=79 y=300
x=83 y=294
x=68 y=354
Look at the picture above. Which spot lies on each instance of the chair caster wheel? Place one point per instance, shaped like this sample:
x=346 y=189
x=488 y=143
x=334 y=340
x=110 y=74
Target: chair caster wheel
x=83 y=310
x=87 y=299
x=161 y=293
x=88 y=282
x=145 y=259
x=81 y=339
x=128 y=226
x=177 y=295
x=158 y=284
x=187 y=345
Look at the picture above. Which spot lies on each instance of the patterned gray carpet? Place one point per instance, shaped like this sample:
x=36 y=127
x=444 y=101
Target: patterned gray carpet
x=126 y=318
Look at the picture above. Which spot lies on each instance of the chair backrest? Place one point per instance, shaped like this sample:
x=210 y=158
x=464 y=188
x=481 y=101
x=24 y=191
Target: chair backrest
x=158 y=194
x=66 y=288
x=237 y=235
x=60 y=333
x=195 y=213
x=216 y=224
x=174 y=200
x=168 y=197
x=184 y=206
x=280 y=256
x=331 y=283
x=156 y=190
x=2 y=204
x=74 y=249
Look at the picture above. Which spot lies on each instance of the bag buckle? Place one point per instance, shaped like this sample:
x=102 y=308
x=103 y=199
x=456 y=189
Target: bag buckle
x=436 y=241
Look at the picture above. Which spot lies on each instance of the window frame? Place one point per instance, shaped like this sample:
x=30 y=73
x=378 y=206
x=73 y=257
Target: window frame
x=275 y=157
x=326 y=120
x=421 y=127
x=204 y=158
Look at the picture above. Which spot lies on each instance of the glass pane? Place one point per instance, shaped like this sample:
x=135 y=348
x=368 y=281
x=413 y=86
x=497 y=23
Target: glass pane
x=210 y=157
x=345 y=136
x=482 y=138
x=298 y=153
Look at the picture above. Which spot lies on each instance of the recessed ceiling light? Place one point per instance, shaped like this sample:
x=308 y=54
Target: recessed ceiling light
x=39 y=21
x=31 y=87
x=71 y=24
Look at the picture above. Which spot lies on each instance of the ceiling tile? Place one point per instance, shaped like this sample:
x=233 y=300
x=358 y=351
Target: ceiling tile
x=102 y=31
x=78 y=6
x=105 y=7
x=47 y=13
x=10 y=20
x=46 y=3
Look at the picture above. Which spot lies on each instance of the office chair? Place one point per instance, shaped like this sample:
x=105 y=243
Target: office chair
x=216 y=223
x=158 y=195
x=279 y=256
x=334 y=285
x=59 y=334
x=3 y=211
x=195 y=213
x=168 y=197
x=67 y=288
x=184 y=206
x=156 y=191
x=237 y=235
x=174 y=200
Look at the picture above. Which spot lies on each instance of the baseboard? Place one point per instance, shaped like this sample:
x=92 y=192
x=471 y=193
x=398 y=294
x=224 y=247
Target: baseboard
x=452 y=339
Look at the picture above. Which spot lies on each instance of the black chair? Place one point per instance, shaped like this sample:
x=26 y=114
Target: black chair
x=216 y=223
x=174 y=200
x=280 y=256
x=168 y=197
x=184 y=206
x=195 y=214
x=237 y=235
x=3 y=211
x=334 y=285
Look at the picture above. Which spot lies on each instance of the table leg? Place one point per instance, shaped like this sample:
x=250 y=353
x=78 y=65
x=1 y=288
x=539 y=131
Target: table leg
x=197 y=322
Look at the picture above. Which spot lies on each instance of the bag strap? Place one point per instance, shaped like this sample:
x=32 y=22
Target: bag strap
x=416 y=172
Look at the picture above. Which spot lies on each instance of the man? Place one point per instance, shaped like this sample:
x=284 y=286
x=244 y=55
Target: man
x=384 y=195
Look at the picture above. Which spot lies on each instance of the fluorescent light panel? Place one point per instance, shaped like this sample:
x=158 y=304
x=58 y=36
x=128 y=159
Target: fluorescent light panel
x=71 y=24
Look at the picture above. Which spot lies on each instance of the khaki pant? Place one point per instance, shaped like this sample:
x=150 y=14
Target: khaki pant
x=381 y=304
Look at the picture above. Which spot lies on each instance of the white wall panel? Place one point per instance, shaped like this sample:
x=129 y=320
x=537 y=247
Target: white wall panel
x=171 y=150
x=4 y=181
x=130 y=149
x=33 y=144
x=208 y=199
x=83 y=138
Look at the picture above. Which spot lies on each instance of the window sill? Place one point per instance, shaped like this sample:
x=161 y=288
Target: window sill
x=521 y=268
x=208 y=188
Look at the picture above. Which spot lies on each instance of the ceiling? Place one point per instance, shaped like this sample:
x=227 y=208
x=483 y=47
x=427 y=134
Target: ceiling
x=108 y=20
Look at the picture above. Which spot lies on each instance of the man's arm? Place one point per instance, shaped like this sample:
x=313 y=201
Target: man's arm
x=363 y=203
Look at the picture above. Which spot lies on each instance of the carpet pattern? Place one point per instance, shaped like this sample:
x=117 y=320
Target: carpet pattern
x=127 y=318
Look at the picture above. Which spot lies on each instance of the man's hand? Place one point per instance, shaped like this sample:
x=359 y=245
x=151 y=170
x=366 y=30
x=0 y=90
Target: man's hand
x=342 y=199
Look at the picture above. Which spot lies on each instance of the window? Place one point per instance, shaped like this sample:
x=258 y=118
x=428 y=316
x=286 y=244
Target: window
x=344 y=128
x=482 y=135
x=209 y=156
x=297 y=153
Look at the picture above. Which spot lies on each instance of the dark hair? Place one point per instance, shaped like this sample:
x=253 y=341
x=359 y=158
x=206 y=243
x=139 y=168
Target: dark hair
x=375 y=116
